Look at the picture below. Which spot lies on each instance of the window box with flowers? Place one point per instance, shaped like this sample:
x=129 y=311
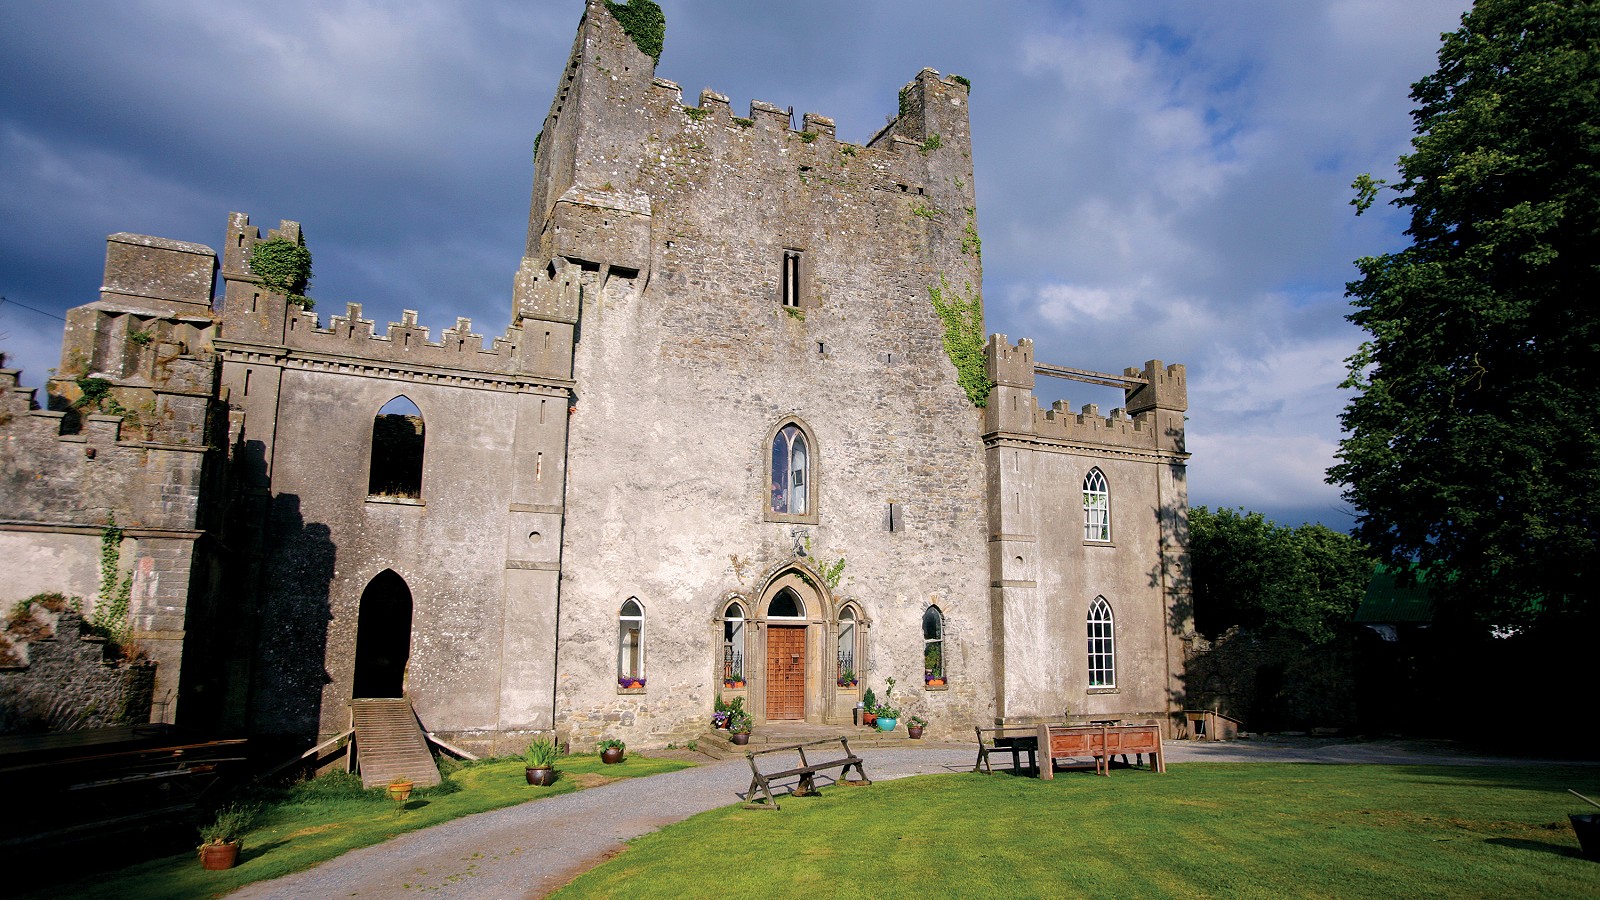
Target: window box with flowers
x=628 y=684
x=733 y=681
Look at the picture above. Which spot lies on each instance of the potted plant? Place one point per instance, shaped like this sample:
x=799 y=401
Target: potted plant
x=400 y=788
x=914 y=725
x=540 y=762
x=869 y=708
x=611 y=750
x=847 y=678
x=219 y=840
x=630 y=682
x=733 y=680
x=933 y=666
x=739 y=727
x=888 y=716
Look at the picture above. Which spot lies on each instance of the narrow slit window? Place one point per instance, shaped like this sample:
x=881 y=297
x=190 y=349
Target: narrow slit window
x=933 y=647
x=791 y=278
x=630 y=644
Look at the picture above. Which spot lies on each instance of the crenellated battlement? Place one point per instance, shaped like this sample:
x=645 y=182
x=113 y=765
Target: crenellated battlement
x=1153 y=418
x=253 y=315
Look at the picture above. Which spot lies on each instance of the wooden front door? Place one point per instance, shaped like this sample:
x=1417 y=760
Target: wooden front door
x=786 y=672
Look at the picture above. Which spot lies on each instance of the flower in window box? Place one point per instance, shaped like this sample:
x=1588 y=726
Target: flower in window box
x=629 y=682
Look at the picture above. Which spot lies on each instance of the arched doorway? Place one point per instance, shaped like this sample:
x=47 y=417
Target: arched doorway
x=383 y=637
x=786 y=657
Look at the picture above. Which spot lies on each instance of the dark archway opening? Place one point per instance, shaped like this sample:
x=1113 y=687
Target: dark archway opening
x=383 y=637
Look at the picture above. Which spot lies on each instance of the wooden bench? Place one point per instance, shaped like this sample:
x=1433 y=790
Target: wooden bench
x=1101 y=742
x=1013 y=739
x=807 y=770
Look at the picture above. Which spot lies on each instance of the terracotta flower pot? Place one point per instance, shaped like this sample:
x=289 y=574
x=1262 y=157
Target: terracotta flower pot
x=215 y=856
x=611 y=756
x=401 y=792
x=916 y=731
x=541 y=777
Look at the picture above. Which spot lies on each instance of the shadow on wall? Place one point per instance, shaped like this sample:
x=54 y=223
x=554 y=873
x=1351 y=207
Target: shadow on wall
x=295 y=612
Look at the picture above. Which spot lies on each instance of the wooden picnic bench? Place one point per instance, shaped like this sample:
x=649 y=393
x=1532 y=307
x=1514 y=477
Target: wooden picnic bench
x=807 y=771
x=1013 y=739
x=1101 y=742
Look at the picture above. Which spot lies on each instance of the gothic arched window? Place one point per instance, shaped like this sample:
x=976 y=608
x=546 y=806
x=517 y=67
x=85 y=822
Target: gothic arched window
x=733 y=645
x=1102 y=645
x=397 y=441
x=1096 y=507
x=791 y=468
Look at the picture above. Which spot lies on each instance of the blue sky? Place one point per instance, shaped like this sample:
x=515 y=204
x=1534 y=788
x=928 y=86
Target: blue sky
x=1155 y=180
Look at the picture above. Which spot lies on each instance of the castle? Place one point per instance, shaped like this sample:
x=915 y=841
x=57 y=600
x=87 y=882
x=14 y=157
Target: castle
x=743 y=435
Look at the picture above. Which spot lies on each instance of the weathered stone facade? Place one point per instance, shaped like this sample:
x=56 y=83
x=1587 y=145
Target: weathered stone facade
x=601 y=542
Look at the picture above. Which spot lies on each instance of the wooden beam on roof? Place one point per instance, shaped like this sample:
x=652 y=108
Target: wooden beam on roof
x=1071 y=374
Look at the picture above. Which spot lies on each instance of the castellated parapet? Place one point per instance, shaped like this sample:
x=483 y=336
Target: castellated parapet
x=253 y=315
x=1152 y=420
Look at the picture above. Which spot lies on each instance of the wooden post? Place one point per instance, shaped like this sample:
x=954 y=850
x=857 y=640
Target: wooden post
x=1047 y=766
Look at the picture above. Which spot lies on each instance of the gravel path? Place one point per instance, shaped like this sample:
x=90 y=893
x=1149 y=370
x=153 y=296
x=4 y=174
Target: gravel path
x=532 y=849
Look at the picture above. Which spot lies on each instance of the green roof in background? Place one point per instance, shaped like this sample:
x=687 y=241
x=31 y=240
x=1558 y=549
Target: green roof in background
x=1387 y=602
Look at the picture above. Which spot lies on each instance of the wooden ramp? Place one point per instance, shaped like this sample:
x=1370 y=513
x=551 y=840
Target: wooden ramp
x=389 y=743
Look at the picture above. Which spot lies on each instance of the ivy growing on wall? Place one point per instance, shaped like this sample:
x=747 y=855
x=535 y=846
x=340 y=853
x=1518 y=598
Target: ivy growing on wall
x=111 y=613
x=644 y=22
x=963 y=337
x=284 y=267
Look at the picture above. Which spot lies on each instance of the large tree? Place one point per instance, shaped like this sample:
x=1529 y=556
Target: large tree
x=1301 y=583
x=1472 y=447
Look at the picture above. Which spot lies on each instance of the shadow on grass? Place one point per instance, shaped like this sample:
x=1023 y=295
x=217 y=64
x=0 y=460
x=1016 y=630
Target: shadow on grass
x=247 y=852
x=1539 y=846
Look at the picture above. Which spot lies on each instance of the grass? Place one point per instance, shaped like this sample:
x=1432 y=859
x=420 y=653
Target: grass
x=1204 y=830
x=325 y=817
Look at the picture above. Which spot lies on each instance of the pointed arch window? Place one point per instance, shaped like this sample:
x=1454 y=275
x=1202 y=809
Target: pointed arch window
x=397 y=444
x=847 y=675
x=733 y=645
x=791 y=472
x=933 y=647
x=630 y=644
x=1096 y=507
x=1102 y=645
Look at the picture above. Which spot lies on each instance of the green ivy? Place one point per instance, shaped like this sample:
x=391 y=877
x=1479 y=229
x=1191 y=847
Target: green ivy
x=963 y=81
x=94 y=392
x=744 y=123
x=644 y=22
x=971 y=244
x=905 y=100
x=111 y=613
x=933 y=142
x=963 y=338
x=808 y=136
x=141 y=338
x=536 y=139
x=694 y=112
x=284 y=267
x=924 y=211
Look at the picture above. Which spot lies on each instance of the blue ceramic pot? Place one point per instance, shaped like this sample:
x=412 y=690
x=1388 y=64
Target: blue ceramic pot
x=886 y=724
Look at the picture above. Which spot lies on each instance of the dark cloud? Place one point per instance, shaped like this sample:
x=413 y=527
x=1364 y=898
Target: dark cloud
x=1163 y=179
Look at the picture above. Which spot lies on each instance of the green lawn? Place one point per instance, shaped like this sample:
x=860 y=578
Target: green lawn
x=1219 y=830
x=320 y=819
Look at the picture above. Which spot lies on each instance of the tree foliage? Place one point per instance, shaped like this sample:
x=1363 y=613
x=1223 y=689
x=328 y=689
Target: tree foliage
x=284 y=267
x=1302 y=583
x=1472 y=446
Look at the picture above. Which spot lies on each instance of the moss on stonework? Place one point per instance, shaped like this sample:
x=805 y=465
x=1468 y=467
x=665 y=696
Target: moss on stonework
x=644 y=22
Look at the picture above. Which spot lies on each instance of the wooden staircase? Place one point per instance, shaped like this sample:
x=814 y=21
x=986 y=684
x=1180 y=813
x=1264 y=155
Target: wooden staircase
x=389 y=743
